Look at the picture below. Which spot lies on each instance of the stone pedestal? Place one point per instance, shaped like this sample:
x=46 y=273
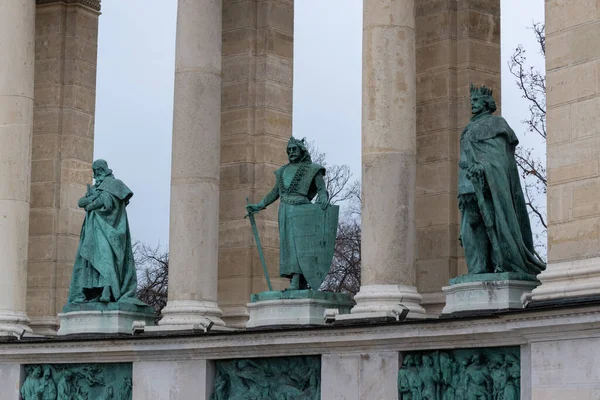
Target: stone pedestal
x=487 y=292
x=294 y=307
x=102 y=318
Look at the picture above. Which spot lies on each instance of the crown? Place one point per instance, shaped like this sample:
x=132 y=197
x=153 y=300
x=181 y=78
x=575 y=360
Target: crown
x=293 y=140
x=482 y=91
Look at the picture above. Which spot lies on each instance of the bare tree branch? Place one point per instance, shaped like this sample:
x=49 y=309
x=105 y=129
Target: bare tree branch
x=152 y=265
x=532 y=84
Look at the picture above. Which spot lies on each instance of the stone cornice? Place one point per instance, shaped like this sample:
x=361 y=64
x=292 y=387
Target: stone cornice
x=511 y=329
x=93 y=4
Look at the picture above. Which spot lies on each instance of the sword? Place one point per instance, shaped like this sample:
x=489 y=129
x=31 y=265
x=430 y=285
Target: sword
x=258 y=245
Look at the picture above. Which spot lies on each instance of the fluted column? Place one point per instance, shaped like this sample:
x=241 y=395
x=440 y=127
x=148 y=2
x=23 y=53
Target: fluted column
x=388 y=159
x=17 y=34
x=194 y=228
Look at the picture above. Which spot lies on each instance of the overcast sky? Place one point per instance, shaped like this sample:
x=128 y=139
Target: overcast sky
x=135 y=91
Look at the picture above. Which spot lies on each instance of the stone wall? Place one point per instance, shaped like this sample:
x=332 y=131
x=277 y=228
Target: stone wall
x=573 y=100
x=63 y=145
x=458 y=43
x=566 y=369
x=256 y=125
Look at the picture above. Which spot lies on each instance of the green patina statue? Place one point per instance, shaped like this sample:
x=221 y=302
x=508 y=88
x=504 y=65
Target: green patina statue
x=77 y=382
x=495 y=231
x=284 y=378
x=104 y=270
x=468 y=374
x=307 y=231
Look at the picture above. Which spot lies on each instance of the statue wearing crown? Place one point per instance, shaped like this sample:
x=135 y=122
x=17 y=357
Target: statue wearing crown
x=307 y=230
x=495 y=231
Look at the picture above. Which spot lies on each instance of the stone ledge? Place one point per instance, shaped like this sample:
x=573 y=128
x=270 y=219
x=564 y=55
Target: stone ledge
x=508 y=328
x=569 y=280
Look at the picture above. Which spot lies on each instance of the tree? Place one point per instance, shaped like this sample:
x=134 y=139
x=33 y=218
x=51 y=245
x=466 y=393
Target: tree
x=532 y=84
x=344 y=275
x=152 y=266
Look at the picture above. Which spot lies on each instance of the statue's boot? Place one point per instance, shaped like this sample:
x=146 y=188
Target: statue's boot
x=105 y=298
x=295 y=283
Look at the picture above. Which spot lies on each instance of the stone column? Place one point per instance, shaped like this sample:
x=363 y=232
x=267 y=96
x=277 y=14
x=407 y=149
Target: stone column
x=573 y=151
x=66 y=45
x=194 y=226
x=17 y=40
x=457 y=43
x=258 y=47
x=388 y=159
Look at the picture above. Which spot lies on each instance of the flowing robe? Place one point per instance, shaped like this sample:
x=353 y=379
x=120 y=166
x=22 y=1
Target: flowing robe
x=105 y=257
x=496 y=198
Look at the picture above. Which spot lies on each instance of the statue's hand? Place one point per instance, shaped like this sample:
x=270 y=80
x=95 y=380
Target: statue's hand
x=322 y=202
x=475 y=171
x=254 y=208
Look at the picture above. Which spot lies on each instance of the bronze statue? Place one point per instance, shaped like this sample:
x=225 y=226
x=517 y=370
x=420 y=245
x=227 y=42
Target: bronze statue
x=104 y=269
x=307 y=231
x=495 y=230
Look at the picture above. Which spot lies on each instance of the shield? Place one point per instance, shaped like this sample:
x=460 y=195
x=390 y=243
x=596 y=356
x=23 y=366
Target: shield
x=314 y=232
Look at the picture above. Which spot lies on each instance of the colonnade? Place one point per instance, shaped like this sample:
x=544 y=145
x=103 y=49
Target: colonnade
x=389 y=162
x=388 y=158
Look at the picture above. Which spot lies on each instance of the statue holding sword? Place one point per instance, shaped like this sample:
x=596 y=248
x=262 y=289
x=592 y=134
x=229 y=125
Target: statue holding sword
x=307 y=230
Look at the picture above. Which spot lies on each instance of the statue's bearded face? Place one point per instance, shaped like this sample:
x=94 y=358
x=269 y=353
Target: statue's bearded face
x=478 y=104
x=294 y=153
x=99 y=174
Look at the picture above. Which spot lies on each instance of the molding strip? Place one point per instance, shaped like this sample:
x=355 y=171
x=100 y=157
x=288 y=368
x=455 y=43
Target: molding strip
x=93 y=4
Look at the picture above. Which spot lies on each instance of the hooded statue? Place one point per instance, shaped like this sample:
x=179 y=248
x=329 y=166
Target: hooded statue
x=495 y=230
x=104 y=269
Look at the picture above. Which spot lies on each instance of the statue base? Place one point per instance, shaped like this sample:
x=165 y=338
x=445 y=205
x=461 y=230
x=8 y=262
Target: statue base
x=102 y=318
x=487 y=292
x=294 y=307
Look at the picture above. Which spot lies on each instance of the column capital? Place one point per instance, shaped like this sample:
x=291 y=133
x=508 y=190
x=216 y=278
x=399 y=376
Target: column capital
x=93 y=4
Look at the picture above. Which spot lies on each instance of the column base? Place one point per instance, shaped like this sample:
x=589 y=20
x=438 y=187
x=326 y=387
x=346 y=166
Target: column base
x=183 y=314
x=389 y=299
x=235 y=316
x=569 y=280
x=47 y=326
x=14 y=323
